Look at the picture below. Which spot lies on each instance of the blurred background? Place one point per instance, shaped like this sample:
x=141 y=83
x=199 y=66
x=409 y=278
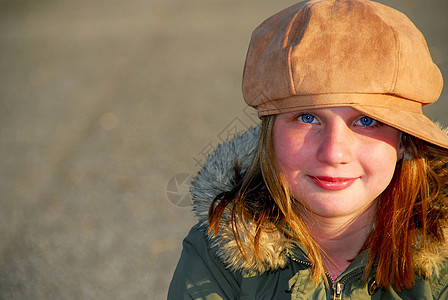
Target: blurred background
x=107 y=108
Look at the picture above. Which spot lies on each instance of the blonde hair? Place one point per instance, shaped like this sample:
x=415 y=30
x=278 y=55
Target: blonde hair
x=407 y=209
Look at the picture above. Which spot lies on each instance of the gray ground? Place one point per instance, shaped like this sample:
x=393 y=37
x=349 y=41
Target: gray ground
x=103 y=105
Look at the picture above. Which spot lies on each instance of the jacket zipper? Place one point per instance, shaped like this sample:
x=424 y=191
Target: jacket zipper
x=307 y=263
x=337 y=286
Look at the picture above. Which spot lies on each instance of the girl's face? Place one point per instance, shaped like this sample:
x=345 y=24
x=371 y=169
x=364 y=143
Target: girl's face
x=335 y=160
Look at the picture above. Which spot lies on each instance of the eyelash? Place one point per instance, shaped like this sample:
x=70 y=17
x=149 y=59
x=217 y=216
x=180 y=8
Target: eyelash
x=374 y=123
x=306 y=114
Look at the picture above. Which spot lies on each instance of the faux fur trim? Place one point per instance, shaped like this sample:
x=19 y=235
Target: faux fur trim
x=218 y=175
x=428 y=261
x=272 y=252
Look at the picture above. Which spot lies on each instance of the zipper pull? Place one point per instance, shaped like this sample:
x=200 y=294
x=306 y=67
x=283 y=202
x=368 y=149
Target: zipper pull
x=338 y=291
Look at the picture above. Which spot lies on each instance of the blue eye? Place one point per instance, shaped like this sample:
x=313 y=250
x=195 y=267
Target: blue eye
x=366 y=122
x=307 y=118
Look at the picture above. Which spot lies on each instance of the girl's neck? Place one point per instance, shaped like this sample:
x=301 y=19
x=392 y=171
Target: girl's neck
x=341 y=238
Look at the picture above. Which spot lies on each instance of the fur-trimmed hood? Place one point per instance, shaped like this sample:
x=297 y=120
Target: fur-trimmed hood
x=218 y=175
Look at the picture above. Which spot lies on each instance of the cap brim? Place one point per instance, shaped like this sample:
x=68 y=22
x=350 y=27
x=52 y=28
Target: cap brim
x=412 y=123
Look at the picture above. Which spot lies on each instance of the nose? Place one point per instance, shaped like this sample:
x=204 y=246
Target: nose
x=336 y=144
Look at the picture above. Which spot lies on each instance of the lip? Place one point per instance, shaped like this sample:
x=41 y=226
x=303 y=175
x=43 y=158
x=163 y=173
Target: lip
x=333 y=183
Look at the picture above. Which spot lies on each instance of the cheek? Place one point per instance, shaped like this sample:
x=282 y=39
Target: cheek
x=388 y=144
x=380 y=164
x=380 y=155
x=290 y=152
x=293 y=157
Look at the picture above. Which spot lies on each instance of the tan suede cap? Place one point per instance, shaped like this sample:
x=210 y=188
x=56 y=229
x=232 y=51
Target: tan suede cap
x=357 y=53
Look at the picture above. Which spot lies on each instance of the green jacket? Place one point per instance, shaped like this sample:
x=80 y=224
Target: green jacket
x=211 y=266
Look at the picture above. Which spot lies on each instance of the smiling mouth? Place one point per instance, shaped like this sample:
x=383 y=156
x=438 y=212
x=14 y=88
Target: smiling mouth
x=332 y=183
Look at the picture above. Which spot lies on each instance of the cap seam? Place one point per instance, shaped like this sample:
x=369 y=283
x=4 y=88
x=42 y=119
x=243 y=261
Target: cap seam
x=267 y=110
x=393 y=84
x=326 y=105
x=397 y=61
x=314 y=106
x=346 y=93
x=305 y=11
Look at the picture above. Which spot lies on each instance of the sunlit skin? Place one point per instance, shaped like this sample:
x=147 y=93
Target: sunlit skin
x=337 y=162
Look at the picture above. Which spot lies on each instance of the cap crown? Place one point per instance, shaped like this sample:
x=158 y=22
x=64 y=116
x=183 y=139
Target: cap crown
x=337 y=47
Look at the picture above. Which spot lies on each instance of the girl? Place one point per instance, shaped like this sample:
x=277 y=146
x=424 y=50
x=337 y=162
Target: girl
x=340 y=193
